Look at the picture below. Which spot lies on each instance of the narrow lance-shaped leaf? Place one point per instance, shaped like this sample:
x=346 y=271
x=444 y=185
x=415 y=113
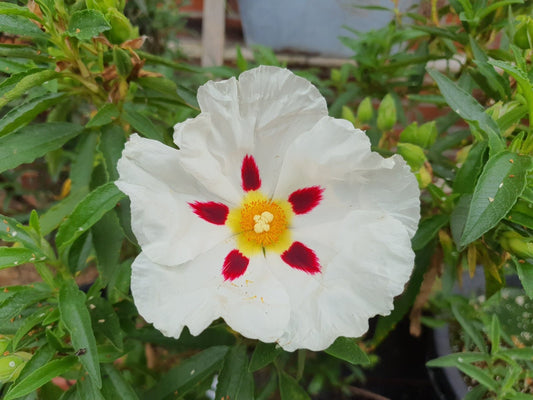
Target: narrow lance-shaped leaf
x=467 y=107
x=40 y=376
x=503 y=179
x=26 y=83
x=25 y=113
x=183 y=377
x=20 y=26
x=289 y=388
x=348 y=350
x=235 y=380
x=12 y=256
x=87 y=213
x=34 y=141
x=75 y=316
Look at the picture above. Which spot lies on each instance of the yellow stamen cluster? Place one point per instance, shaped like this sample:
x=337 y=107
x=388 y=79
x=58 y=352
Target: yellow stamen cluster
x=261 y=223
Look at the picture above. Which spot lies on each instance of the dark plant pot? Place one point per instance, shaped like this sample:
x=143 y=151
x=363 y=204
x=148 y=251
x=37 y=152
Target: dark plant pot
x=447 y=382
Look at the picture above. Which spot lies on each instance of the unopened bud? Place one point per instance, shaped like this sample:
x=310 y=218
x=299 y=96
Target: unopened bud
x=516 y=244
x=121 y=28
x=386 y=114
x=523 y=36
x=365 y=111
x=413 y=154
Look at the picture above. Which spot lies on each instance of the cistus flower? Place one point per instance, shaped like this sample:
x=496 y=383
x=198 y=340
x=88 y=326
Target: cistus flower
x=271 y=215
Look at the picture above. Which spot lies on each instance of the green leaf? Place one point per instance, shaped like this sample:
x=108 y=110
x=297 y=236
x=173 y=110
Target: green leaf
x=11 y=256
x=107 y=241
x=34 y=141
x=522 y=214
x=111 y=145
x=187 y=374
x=13 y=9
x=477 y=393
x=524 y=353
x=503 y=179
x=41 y=376
x=24 y=51
x=76 y=318
x=493 y=78
x=479 y=375
x=140 y=123
x=471 y=168
x=37 y=78
x=104 y=116
x=289 y=388
x=86 y=24
x=122 y=389
x=25 y=113
x=12 y=231
x=525 y=273
x=41 y=357
x=235 y=381
x=454 y=359
x=105 y=320
x=460 y=315
x=122 y=61
x=470 y=110
x=263 y=355
x=348 y=350
x=29 y=322
x=27 y=296
x=87 y=213
x=428 y=229
x=87 y=390
x=495 y=330
x=20 y=26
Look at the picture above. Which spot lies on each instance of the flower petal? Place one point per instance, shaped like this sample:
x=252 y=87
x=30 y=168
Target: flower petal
x=260 y=114
x=195 y=293
x=178 y=296
x=160 y=190
x=353 y=177
x=256 y=304
x=366 y=259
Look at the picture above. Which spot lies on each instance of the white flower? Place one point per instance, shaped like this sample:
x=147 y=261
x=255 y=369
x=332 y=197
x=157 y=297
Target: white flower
x=272 y=215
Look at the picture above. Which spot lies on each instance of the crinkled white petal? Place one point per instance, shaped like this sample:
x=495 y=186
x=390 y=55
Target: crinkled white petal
x=172 y=297
x=256 y=304
x=195 y=293
x=366 y=259
x=260 y=114
x=160 y=189
x=337 y=157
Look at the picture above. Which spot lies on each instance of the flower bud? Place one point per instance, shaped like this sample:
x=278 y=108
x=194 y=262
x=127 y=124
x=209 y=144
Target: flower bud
x=121 y=28
x=515 y=243
x=365 y=111
x=11 y=365
x=413 y=154
x=523 y=36
x=348 y=114
x=386 y=114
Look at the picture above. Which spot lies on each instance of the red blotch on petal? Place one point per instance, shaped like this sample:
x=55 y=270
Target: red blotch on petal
x=301 y=257
x=250 y=174
x=216 y=213
x=304 y=200
x=235 y=265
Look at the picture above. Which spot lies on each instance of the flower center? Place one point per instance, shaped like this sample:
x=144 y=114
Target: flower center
x=261 y=223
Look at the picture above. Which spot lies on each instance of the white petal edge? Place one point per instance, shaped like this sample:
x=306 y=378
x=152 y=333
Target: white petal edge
x=366 y=261
x=160 y=189
x=337 y=157
x=260 y=114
